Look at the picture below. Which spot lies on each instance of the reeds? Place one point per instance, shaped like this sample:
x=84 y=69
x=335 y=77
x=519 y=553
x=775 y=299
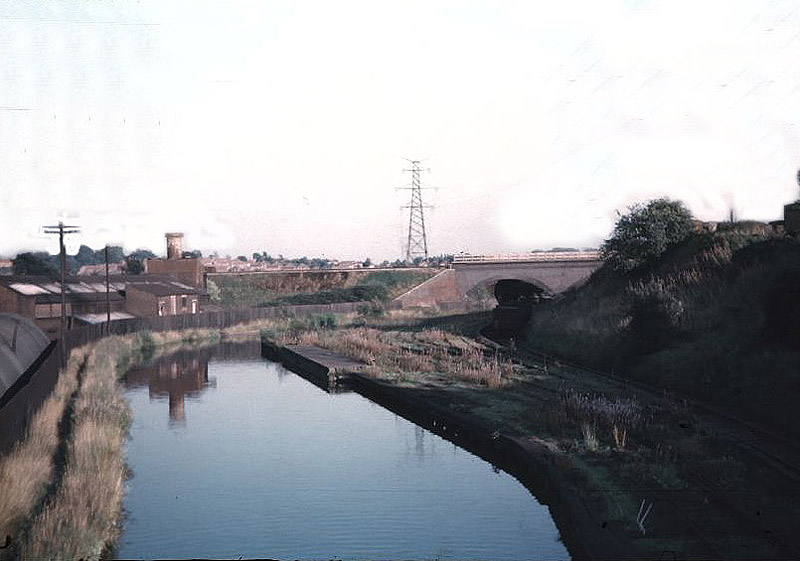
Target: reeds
x=616 y=415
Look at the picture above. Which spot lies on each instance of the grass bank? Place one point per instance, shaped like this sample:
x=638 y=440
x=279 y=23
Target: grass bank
x=715 y=318
x=28 y=470
x=318 y=287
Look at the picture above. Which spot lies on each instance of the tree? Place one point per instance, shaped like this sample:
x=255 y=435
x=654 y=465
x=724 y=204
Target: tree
x=34 y=264
x=214 y=293
x=85 y=256
x=134 y=262
x=646 y=232
x=115 y=254
x=196 y=254
x=242 y=258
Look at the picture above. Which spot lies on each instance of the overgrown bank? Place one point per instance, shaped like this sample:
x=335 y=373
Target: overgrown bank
x=716 y=318
x=318 y=287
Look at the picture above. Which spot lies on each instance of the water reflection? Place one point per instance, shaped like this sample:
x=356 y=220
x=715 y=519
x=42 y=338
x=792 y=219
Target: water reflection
x=272 y=467
x=183 y=374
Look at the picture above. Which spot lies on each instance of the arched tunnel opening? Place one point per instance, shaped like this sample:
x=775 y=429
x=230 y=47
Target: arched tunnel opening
x=515 y=301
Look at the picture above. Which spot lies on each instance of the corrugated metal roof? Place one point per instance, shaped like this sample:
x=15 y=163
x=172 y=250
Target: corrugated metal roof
x=21 y=343
x=28 y=289
x=101 y=318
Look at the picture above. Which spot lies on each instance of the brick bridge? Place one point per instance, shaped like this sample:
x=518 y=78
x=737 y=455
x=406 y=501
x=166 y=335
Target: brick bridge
x=552 y=272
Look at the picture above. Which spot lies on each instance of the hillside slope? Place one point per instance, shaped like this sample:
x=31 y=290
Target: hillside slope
x=716 y=318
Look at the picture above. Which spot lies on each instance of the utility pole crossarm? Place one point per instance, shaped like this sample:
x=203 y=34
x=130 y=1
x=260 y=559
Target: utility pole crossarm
x=62 y=230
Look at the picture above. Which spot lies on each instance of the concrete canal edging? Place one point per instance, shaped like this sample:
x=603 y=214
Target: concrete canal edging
x=543 y=473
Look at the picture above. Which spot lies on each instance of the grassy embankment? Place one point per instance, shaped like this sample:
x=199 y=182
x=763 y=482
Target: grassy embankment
x=316 y=288
x=715 y=318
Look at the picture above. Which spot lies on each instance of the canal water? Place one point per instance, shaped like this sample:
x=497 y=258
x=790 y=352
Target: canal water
x=236 y=456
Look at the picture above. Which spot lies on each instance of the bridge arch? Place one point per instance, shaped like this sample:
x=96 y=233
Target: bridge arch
x=486 y=286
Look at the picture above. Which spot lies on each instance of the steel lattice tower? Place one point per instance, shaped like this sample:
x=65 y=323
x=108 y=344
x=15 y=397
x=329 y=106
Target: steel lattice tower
x=417 y=245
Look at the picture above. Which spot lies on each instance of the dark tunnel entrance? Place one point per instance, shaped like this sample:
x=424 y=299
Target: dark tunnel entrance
x=515 y=300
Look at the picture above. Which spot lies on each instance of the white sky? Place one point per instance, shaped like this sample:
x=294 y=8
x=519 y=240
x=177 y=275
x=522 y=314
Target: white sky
x=284 y=126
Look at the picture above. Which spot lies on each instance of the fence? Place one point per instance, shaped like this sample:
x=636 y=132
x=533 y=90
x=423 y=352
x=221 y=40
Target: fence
x=529 y=257
x=21 y=402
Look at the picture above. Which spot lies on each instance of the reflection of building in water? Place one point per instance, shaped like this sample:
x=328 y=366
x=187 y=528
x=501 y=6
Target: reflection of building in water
x=177 y=376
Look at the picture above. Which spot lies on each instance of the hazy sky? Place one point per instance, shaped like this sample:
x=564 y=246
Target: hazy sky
x=284 y=126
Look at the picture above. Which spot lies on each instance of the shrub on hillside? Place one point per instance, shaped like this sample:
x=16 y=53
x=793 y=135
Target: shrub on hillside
x=646 y=232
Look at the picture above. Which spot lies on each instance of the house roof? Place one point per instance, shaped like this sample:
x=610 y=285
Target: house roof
x=83 y=289
x=45 y=290
x=163 y=287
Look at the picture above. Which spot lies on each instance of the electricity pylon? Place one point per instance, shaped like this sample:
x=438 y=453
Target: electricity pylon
x=417 y=245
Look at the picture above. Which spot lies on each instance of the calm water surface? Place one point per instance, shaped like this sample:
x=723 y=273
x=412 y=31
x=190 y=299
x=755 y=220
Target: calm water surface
x=240 y=457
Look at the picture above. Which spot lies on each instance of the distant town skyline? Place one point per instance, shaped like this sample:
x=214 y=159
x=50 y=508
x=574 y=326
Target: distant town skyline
x=285 y=126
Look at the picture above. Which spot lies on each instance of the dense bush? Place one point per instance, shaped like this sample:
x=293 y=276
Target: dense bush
x=646 y=232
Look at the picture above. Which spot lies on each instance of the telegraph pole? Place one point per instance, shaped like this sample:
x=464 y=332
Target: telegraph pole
x=417 y=245
x=108 y=298
x=61 y=229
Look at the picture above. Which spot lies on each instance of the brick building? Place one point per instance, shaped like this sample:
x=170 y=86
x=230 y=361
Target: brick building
x=39 y=298
x=187 y=270
x=147 y=296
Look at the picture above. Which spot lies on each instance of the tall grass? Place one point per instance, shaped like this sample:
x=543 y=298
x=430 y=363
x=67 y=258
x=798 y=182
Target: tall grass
x=27 y=471
x=83 y=515
x=388 y=351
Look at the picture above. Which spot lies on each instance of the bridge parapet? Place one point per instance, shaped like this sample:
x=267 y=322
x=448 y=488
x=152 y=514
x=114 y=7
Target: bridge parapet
x=531 y=257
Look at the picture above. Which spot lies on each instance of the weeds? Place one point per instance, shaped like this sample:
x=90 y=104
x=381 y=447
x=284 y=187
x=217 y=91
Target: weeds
x=617 y=415
x=391 y=352
x=590 y=437
x=620 y=437
x=83 y=514
x=27 y=470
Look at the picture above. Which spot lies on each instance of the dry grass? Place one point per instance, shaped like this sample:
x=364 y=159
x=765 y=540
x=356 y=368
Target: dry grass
x=26 y=472
x=82 y=517
x=430 y=352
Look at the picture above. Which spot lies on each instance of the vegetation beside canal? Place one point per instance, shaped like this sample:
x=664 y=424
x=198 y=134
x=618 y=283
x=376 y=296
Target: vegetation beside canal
x=613 y=452
x=641 y=473
x=715 y=318
x=319 y=287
